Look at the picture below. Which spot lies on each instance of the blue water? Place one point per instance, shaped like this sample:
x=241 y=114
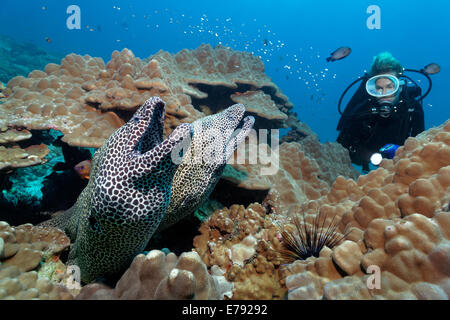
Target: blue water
x=300 y=35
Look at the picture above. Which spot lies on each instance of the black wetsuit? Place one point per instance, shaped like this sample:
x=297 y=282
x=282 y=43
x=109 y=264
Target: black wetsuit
x=363 y=133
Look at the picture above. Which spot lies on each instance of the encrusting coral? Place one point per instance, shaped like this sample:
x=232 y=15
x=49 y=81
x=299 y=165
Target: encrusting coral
x=245 y=245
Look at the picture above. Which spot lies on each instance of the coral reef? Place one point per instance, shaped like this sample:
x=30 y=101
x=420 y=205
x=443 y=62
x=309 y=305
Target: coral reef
x=332 y=159
x=4 y=92
x=398 y=217
x=87 y=100
x=291 y=178
x=390 y=228
x=393 y=221
x=29 y=194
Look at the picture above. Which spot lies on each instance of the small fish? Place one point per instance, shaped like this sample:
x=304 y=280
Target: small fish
x=266 y=42
x=287 y=77
x=431 y=68
x=339 y=54
x=48 y=39
x=83 y=169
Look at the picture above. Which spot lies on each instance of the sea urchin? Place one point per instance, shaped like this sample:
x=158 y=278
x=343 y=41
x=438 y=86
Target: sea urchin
x=307 y=240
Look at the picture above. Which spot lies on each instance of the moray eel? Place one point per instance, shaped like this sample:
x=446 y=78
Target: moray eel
x=128 y=193
x=214 y=140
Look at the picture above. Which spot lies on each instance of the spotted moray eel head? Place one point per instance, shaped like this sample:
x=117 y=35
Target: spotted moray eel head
x=219 y=130
x=135 y=171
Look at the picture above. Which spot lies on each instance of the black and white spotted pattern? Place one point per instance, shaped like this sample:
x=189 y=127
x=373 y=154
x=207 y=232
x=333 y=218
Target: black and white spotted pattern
x=127 y=195
x=197 y=175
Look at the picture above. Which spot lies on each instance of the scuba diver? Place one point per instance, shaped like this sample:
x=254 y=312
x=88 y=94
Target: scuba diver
x=383 y=112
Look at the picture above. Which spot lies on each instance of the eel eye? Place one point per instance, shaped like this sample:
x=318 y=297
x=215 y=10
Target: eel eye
x=95 y=226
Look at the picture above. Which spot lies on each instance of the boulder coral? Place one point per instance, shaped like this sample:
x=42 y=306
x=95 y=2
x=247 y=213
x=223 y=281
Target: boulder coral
x=161 y=277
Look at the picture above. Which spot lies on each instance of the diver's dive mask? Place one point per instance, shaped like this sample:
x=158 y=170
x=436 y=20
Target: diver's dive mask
x=383 y=85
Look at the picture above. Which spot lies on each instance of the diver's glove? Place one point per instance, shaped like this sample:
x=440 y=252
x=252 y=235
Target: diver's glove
x=386 y=152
